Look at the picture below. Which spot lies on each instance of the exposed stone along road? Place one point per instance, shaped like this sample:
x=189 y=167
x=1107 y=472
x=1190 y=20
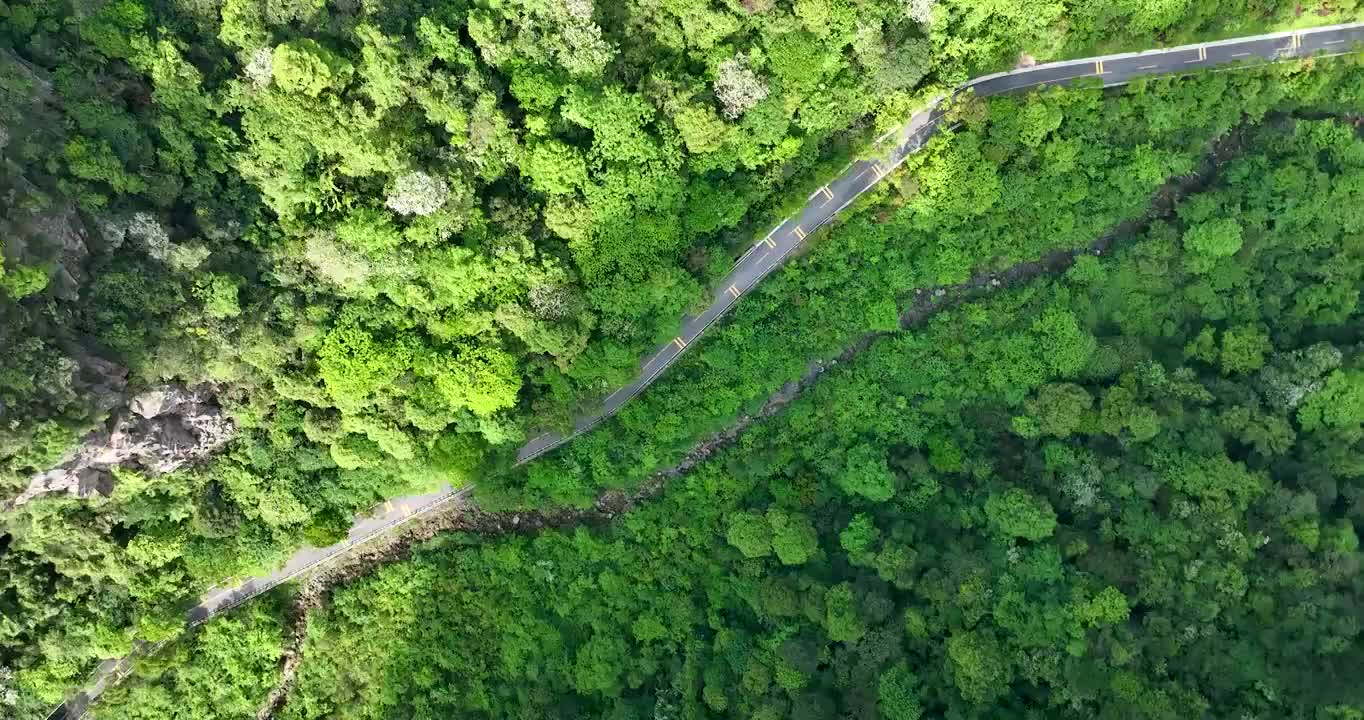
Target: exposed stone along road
x=757 y=262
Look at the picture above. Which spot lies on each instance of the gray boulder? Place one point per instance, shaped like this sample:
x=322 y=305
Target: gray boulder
x=163 y=429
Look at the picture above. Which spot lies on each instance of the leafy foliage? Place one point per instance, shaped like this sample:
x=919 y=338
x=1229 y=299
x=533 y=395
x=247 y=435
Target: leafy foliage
x=402 y=236
x=1186 y=547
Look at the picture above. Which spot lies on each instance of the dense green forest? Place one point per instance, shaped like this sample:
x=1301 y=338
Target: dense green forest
x=394 y=237
x=1130 y=491
x=1019 y=180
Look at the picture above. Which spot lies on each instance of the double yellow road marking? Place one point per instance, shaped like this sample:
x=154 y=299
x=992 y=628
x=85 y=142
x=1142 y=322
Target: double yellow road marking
x=827 y=195
x=770 y=242
x=875 y=168
x=800 y=233
x=1297 y=41
x=1202 y=55
x=1098 y=67
x=680 y=343
x=734 y=292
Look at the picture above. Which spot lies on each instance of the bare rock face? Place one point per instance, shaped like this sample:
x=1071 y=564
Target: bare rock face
x=38 y=227
x=163 y=429
x=64 y=225
x=35 y=236
x=160 y=401
x=101 y=383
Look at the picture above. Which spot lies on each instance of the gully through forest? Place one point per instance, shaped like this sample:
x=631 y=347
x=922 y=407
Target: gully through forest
x=767 y=254
x=609 y=504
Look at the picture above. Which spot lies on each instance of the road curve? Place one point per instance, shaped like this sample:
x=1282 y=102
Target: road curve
x=759 y=260
x=894 y=147
x=369 y=526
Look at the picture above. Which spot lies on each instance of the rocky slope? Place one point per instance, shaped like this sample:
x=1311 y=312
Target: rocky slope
x=161 y=430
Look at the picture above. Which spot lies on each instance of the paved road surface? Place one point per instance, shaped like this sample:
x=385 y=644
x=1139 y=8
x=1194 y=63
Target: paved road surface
x=219 y=600
x=761 y=259
x=387 y=516
x=894 y=147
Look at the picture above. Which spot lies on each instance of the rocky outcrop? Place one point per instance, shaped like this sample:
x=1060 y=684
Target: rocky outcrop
x=52 y=235
x=156 y=432
x=162 y=429
x=40 y=227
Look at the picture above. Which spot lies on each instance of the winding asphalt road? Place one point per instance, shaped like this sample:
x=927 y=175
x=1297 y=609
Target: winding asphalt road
x=380 y=520
x=760 y=259
x=894 y=147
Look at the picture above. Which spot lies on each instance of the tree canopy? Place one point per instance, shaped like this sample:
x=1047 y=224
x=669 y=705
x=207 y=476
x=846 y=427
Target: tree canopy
x=395 y=239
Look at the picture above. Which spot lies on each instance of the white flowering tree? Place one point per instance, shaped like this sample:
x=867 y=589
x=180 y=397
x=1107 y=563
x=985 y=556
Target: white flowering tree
x=920 y=11
x=417 y=193
x=259 y=67
x=738 y=87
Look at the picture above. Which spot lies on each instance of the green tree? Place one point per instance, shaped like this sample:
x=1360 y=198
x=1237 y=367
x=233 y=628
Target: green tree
x=1109 y=607
x=751 y=534
x=1018 y=513
x=555 y=168
x=305 y=66
x=1060 y=409
x=794 y=538
x=897 y=694
x=979 y=667
x=1208 y=241
x=355 y=365
x=1243 y=349
x=866 y=473
x=1339 y=404
x=841 y=616
x=860 y=537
